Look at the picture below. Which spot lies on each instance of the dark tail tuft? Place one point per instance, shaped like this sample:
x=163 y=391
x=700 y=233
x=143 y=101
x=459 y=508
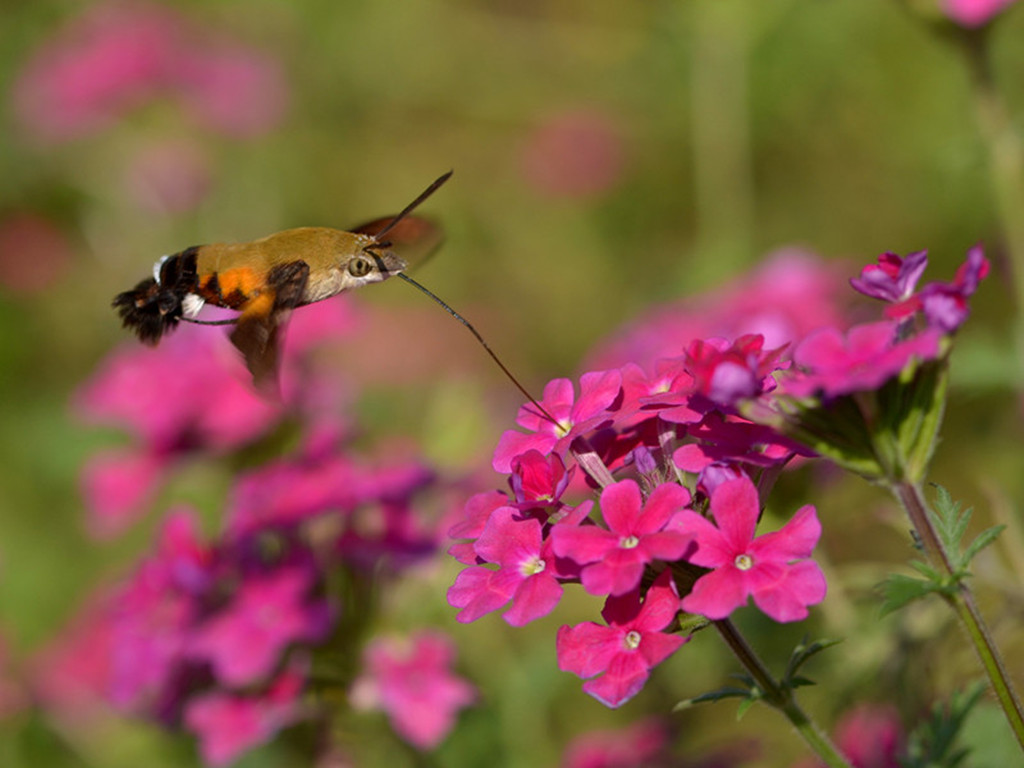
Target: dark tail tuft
x=149 y=309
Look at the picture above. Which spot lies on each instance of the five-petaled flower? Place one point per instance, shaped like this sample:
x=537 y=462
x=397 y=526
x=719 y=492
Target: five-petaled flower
x=619 y=656
x=613 y=559
x=772 y=568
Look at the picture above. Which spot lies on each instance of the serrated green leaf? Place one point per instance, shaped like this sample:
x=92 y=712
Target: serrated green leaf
x=983 y=539
x=898 y=590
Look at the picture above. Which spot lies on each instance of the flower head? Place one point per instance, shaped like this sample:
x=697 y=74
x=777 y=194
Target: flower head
x=619 y=656
x=411 y=680
x=772 y=568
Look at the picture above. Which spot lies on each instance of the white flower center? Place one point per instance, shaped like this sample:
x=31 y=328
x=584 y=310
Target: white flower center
x=628 y=542
x=744 y=562
x=533 y=566
x=563 y=427
x=632 y=640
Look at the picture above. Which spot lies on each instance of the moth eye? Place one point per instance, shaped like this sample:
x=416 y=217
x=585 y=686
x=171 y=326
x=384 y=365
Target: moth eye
x=360 y=267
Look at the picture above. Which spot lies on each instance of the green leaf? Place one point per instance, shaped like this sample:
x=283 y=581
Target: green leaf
x=801 y=654
x=933 y=743
x=983 y=539
x=898 y=590
x=720 y=694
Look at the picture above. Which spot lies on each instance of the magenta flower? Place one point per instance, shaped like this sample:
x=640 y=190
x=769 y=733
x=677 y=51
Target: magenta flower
x=725 y=373
x=528 y=572
x=667 y=391
x=892 y=279
x=244 y=641
x=866 y=358
x=789 y=295
x=476 y=512
x=640 y=744
x=575 y=416
x=871 y=737
x=538 y=480
x=637 y=534
x=118 y=487
x=974 y=13
x=229 y=724
x=622 y=653
x=945 y=304
x=772 y=568
x=116 y=57
x=410 y=679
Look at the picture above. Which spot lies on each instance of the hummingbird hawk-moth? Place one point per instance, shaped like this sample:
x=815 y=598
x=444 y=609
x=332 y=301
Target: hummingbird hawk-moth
x=267 y=278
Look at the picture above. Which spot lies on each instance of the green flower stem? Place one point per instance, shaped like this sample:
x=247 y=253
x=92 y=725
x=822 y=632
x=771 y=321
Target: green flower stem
x=963 y=604
x=780 y=697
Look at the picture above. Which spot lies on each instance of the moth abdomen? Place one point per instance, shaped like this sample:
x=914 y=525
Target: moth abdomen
x=154 y=306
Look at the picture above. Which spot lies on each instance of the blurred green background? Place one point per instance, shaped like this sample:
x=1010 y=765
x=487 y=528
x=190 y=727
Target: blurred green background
x=607 y=156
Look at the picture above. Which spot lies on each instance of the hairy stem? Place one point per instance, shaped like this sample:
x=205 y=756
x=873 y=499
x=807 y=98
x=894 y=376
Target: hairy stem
x=780 y=697
x=963 y=604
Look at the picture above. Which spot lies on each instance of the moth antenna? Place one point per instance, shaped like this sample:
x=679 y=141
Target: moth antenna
x=412 y=206
x=541 y=411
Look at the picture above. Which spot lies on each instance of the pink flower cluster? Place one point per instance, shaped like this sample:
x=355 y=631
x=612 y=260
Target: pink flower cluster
x=116 y=57
x=676 y=465
x=191 y=397
x=218 y=637
x=975 y=13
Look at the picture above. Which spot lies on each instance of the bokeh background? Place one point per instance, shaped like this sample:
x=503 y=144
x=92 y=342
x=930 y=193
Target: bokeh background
x=608 y=157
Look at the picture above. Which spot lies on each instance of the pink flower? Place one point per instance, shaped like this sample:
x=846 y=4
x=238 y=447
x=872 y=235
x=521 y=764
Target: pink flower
x=229 y=724
x=234 y=90
x=575 y=417
x=538 y=481
x=622 y=653
x=635 y=746
x=974 y=13
x=725 y=373
x=893 y=279
x=528 y=572
x=409 y=678
x=866 y=358
x=118 y=487
x=574 y=154
x=245 y=640
x=116 y=57
x=190 y=392
x=637 y=534
x=789 y=295
x=771 y=568
x=477 y=511
x=871 y=737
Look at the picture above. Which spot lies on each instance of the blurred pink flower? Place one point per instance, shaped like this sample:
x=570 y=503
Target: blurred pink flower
x=635 y=746
x=974 y=13
x=245 y=640
x=33 y=252
x=168 y=176
x=190 y=392
x=233 y=90
x=410 y=680
x=118 y=486
x=229 y=724
x=576 y=153
x=789 y=295
x=871 y=737
x=118 y=56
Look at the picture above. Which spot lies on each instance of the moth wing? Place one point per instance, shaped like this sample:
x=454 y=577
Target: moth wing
x=414 y=238
x=257 y=330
